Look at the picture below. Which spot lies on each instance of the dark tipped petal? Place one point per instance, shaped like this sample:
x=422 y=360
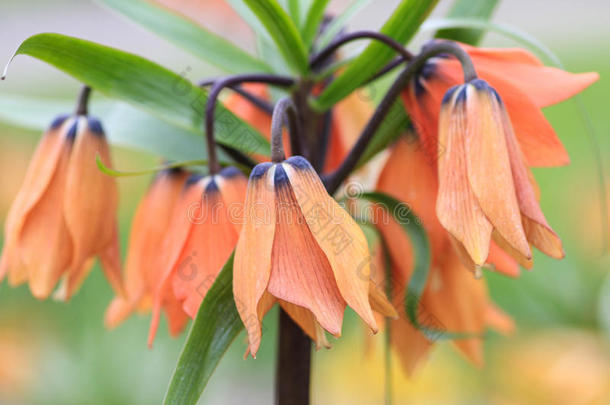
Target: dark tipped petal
x=211 y=187
x=58 y=121
x=259 y=170
x=193 y=179
x=95 y=126
x=299 y=162
x=229 y=172
x=449 y=94
x=281 y=178
x=71 y=134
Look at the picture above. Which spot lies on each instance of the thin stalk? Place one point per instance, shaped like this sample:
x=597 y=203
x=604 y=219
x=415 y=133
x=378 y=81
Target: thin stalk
x=284 y=111
x=344 y=39
x=293 y=364
x=82 y=102
x=324 y=140
x=210 y=107
x=334 y=180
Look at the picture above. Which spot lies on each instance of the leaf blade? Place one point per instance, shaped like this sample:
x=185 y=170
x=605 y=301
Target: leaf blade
x=143 y=84
x=215 y=327
x=401 y=26
x=283 y=32
x=312 y=21
x=481 y=9
x=188 y=35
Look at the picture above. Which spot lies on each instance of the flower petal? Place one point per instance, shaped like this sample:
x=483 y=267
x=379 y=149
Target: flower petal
x=300 y=272
x=307 y=321
x=338 y=236
x=252 y=264
x=456 y=205
x=489 y=168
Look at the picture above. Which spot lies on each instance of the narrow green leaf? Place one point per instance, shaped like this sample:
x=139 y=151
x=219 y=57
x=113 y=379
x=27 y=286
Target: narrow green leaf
x=394 y=124
x=142 y=83
x=119 y=173
x=412 y=226
x=295 y=12
x=283 y=32
x=313 y=20
x=214 y=329
x=192 y=37
x=341 y=21
x=480 y=9
x=401 y=26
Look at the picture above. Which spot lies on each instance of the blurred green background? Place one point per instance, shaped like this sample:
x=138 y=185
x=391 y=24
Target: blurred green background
x=57 y=353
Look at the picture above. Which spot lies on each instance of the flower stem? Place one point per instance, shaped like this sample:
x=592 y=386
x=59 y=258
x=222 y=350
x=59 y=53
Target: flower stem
x=353 y=36
x=293 y=364
x=284 y=111
x=83 y=101
x=334 y=180
x=210 y=107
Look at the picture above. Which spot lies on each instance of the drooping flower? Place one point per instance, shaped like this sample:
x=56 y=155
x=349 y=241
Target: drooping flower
x=484 y=183
x=524 y=83
x=142 y=268
x=202 y=233
x=453 y=299
x=65 y=213
x=299 y=248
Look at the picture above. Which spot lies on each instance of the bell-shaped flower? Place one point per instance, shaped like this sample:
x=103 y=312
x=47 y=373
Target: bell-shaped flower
x=201 y=235
x=485 y=186
x=299 y=248
x=142 y=267
x=65 y=213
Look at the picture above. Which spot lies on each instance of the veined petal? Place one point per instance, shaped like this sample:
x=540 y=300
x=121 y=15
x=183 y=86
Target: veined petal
x=209 y=245
x=337 y=234
x=252 y=264
x=502 y=261
x=489 y=169
x=187 y=210
x=300 y=272
x=538 y=231
x=380 y=303
x=148 y=229
x=91 y=198
x=456 y=205
x=47 y=254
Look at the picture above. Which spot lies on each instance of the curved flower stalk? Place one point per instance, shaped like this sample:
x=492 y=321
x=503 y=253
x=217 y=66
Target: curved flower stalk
x=299 y=248
x=142 y=268
x=65 y=213
x=202 y=233
x=454 y=299
x=524 y=83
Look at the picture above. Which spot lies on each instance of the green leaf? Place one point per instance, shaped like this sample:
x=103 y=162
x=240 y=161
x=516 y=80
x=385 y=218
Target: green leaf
x=313 y=20
x=401 y=26
x=480 y=9
x=416 y=233
x=144 y=84
x=394 y=124
x=189 y=35
x=216 y=326
x=283 y=32
x=295 y=12
x=340 y=21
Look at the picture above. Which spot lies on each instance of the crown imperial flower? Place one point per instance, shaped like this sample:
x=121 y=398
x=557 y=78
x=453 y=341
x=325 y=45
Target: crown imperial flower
x=300 y=248
x=64 y=214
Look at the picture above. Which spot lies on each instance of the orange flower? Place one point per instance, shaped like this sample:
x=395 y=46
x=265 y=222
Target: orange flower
x=300 y=248
x=453 y=299
x=484 y=183
x=64 y=213
x=524 y=84
x=202 y=233
x=142 y=268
